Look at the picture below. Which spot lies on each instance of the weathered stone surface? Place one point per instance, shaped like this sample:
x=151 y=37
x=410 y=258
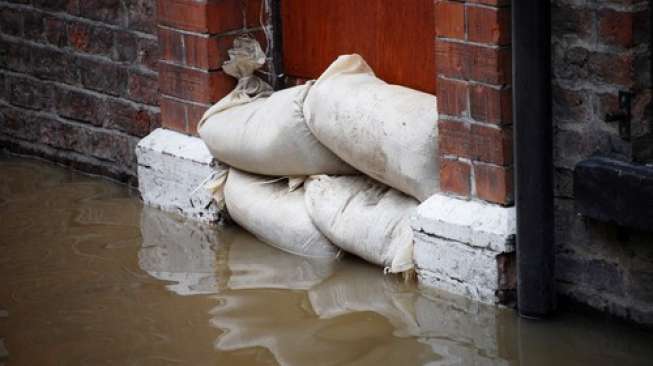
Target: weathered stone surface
x=103 y=77
x=141 y=15
x=476 y=223
x=170 y=166
x=464 y=247
x=29 y=93
x=129 y=118
x=456 y=267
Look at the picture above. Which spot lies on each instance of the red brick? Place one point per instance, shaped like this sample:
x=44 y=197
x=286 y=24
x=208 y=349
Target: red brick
x=141 y=15
x=148 y=53
x=491 y=105
x=198 y=50
x=494 y=183
x=126 y=47
x=171 y=46
x=612 y=69
x=143 y=88
x=206 y=16
x=194 y=114
x=455 y=177
x=90 y=39
x=194 y=85
x=452 y=97
x=616 y=27
x=105 y=77
x=127 y=117
x=491 y=2
x=181 y=116
x=450 y=19
x=173 y=114
x=79 y=105
x=55 y=31
x=491 y=145
x=453 y=138
x=473 y=62
x=571 y=21
x=107 y=11
x=488 y=25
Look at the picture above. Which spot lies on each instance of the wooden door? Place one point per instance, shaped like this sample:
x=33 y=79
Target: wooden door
x=396 y=37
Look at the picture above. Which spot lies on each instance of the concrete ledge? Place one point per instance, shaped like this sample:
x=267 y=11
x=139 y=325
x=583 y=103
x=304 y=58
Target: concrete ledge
x=461 y=247
x=170 y=166
x=478 y=224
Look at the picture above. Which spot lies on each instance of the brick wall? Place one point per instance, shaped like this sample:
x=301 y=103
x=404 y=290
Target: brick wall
x=473 y=58
x=78 y=81
x=194 y=37
x=599 y=48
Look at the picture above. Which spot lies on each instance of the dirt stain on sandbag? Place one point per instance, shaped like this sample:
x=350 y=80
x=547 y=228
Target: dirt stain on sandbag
x=90 y=277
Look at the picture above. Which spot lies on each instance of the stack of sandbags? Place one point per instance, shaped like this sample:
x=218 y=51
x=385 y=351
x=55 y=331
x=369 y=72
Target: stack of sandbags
x=258 y=132
x=348 y=119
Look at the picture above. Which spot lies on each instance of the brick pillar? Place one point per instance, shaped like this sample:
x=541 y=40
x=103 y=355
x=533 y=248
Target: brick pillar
x=194 y=36
x=473 y=58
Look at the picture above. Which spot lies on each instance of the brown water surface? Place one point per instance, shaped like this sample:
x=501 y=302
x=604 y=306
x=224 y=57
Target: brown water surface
x=90 y=277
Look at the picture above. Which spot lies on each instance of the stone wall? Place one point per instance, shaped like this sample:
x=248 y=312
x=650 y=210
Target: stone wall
x=78 y=81
x=600 y=48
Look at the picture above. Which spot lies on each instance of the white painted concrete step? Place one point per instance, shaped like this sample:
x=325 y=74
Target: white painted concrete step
x=171 y=166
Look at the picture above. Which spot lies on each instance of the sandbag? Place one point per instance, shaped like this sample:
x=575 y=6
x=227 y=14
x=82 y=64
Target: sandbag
x=275 y=215
x=388 y=132
x=269 y=136
x=363 y=217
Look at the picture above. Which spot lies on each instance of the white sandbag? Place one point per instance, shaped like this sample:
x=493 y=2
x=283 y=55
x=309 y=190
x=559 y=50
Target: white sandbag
x=269 y=136
x=275 y=215
x=388 y=132
x=363 y=217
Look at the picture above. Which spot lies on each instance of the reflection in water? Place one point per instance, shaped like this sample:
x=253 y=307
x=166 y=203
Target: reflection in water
x=180 y=251
x=89 y=277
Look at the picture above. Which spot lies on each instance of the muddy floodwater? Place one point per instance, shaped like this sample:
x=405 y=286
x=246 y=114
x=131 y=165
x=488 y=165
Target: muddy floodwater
x=88 y=276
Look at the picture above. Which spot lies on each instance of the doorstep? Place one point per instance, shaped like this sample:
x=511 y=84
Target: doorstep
x=466 y=248
x=172 y=167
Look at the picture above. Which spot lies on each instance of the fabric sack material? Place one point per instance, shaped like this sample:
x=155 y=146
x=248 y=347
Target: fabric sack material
x=364 y=217
x=269 y=136
x=271 y=212
x=388 y=132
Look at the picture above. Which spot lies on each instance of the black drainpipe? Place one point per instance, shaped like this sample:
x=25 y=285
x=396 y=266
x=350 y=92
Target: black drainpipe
x=276 y=51
x=533 y=156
